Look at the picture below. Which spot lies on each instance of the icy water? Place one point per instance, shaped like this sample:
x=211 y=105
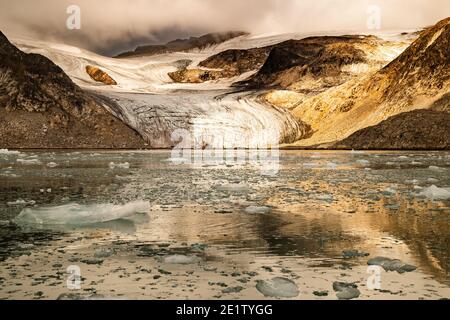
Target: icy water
x=137 y=225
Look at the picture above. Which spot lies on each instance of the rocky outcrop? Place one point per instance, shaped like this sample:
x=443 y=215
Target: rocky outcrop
x=289 y=62
x=236 y=62
x=419 y=129
x=40 y=107
x=179 y=45
x=419 y=78
x=99 y=75
x=196 y=75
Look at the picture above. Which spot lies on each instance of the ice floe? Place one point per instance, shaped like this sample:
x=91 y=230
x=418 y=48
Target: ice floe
x=80 y=215
x=278 y=288
x=8 y=152
x=257 y=209
x=29 y=161
x=124 y=165
x=436 y=193
x=19 y=202
x=180 y=259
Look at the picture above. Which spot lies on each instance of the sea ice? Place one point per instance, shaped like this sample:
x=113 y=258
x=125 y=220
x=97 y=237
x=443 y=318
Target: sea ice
x=180 y=259
x=124 y=165
x=8 y=152
x=278 y=287
x=257 y=209
x=29 y=161
x=436 y=193
x=79 y=215
x=19 y=202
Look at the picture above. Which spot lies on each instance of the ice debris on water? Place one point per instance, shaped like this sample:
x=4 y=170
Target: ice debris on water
x=278 y=288
x=391 y=264
x=124 y=165
x=180 y=259
x=29 y=161
x=19 y=202
x=52 y=165
x=79 y=215
x=8 y=152
x=257 y=209
x=436 y=193
x=346 y=291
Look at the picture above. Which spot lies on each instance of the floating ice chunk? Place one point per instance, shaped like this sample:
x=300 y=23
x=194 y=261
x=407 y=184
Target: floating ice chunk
x=389 y=191
x=436 y=193
x=332 y=165
x=357 y=152
x=124 y=165
x=416 y=163
x=278 y=288
x=435 y=168
x=29 y=161
x=79 y=215
x=180 y=259
x=403 y=157
x=346 y=291
x=52 y=165
x=257 y=209
x=391 y=264
x=364 y=162
x=20 y=202
x=432 y=180
x=8 y=152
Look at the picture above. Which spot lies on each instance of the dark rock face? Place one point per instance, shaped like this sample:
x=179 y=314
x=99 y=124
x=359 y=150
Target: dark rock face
x=183 y=44
x=40 y=107
x=237 y=61
x=99 y=75
x=419 y=129
x=289 y=61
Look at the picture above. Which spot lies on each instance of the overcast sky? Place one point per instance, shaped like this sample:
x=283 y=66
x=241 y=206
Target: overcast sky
x=110 y=26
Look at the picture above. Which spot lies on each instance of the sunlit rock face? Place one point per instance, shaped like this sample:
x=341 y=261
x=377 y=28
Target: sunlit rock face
x=419 y=78
x=100 y=76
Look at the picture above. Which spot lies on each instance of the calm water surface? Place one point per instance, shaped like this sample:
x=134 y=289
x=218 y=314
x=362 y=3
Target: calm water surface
x=236 y=223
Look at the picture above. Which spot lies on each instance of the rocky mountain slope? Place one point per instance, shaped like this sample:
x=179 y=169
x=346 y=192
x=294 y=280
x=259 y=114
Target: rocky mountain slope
x=418 y=79
x=310 y=65
x=418 y=129
x=179 y=45
x=40 y=107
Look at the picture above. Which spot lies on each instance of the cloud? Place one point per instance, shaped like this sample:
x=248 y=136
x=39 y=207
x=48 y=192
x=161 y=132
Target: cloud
x=109 y=26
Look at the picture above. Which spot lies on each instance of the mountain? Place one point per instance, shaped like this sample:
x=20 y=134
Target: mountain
x=419 y=78
x=40 y=107
x=183 y=44
x=418 y=129
x=309 y=65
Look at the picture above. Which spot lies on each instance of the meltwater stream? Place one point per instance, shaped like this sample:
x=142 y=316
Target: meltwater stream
x=138 y=225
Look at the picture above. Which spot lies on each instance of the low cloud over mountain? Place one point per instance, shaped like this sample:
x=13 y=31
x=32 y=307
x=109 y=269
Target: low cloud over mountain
x=113 y=26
